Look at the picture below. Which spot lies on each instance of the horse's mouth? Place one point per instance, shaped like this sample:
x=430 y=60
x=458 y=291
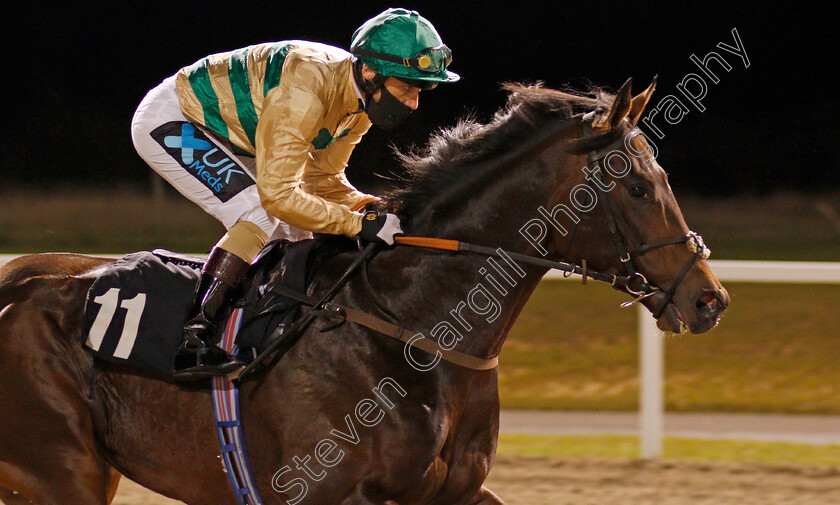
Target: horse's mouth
x=672 y=320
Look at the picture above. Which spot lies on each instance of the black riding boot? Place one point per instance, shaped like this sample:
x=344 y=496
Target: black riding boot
x=200 y=356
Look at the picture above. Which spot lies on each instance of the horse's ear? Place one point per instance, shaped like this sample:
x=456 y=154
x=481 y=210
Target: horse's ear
x=621 y=105
x=637 y=107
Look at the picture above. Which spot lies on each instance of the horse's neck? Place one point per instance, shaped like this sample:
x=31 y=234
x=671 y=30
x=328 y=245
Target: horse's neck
x=471 y=298
x=490 y=206
x=475 y=296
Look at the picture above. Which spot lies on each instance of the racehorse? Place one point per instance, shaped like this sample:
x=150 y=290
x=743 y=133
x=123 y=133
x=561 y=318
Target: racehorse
x=348 y=416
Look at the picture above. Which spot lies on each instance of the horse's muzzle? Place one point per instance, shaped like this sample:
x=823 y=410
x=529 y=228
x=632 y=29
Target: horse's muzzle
x=699 y=318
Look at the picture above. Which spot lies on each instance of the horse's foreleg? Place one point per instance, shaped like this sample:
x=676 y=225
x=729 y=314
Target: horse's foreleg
x=48 y=451
x=486 y=497
x=113 y=484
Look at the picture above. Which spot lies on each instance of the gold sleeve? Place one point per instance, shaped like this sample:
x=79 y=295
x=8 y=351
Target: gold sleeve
x=290 y=119
x=325 y=174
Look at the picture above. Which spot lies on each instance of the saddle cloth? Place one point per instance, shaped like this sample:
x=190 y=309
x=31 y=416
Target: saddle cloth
x=136 y=309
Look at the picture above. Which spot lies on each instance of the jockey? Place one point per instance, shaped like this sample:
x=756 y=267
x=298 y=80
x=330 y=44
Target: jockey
x=260 y=137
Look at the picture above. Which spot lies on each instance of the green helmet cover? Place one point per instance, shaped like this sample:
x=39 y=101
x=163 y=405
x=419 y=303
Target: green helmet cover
x=403 y=34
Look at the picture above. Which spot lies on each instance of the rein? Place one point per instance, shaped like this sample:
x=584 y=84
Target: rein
x=632 y=281
x=622 y=281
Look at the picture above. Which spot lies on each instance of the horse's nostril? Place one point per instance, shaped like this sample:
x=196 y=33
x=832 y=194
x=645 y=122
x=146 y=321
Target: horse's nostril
x=709 y=304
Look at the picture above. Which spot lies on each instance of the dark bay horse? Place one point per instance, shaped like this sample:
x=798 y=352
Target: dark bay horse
x=348 y=416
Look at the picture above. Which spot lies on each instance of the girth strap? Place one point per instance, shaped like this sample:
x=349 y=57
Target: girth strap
x=412 y=338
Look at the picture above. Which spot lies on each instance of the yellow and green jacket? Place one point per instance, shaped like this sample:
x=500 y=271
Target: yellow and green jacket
x=295 y=106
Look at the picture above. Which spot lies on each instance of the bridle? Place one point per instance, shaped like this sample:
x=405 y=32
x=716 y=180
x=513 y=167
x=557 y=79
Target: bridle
x=619 y=228
x=631 y=281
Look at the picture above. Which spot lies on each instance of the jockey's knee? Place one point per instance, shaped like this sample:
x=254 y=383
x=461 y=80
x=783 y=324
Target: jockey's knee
x=244 y=239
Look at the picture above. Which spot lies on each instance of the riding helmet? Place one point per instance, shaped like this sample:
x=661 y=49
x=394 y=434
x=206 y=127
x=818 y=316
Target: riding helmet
x=403 y=44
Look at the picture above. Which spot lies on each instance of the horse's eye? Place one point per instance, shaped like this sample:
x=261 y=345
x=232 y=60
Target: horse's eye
x=638 y=191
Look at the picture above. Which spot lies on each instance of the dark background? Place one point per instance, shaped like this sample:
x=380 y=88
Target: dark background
x=74 y=72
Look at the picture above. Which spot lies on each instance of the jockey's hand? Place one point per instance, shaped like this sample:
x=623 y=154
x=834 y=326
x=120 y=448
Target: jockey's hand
x=380 y=228
x=374 y=206
x=381 y=206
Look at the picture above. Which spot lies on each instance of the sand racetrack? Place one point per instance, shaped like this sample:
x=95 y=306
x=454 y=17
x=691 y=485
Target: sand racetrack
x=559 y=481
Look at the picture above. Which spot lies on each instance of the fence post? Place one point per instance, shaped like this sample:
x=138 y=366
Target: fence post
x=651 y=398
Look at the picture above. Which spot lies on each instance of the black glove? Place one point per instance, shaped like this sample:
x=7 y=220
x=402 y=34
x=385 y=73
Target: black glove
x=380 y=228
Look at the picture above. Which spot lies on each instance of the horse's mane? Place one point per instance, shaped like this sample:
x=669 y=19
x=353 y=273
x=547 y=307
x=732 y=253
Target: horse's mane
x=453 y=155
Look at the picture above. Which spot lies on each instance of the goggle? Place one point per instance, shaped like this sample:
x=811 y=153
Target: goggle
x=430 y=60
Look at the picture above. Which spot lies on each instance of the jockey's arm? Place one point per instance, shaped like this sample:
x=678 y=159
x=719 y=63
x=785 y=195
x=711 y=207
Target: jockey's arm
x=289 y=122
x=325 y=175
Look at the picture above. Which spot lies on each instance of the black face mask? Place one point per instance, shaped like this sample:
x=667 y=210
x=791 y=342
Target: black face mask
x=388 y=112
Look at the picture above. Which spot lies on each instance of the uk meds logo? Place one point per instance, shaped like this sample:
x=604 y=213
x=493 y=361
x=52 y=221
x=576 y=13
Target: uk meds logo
x=186 y=142
x=193 y=150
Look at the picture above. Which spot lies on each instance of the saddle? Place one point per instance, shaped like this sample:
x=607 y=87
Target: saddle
x=136 y=309
x=281 y=267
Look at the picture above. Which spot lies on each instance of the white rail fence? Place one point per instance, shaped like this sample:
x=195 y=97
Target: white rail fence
x=651 y=351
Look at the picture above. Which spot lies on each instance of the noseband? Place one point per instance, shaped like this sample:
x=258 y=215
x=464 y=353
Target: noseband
x=620 y=231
